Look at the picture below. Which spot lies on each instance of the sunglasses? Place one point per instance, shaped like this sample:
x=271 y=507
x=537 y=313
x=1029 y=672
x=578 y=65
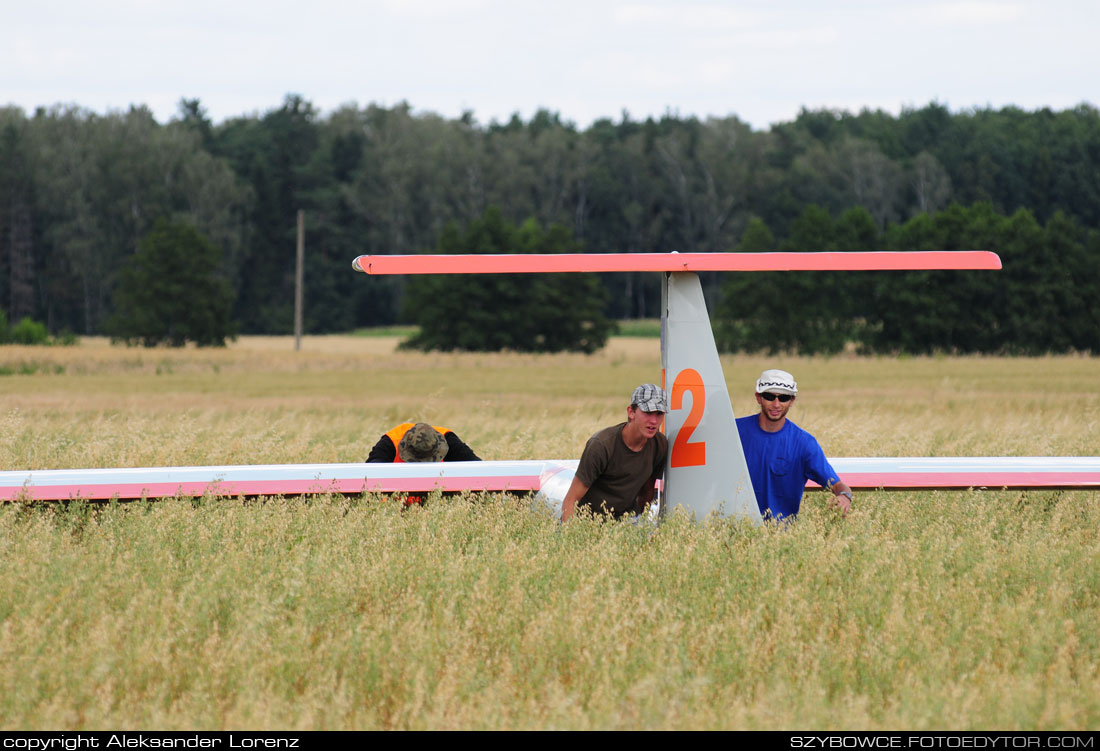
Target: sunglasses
x=769 y=397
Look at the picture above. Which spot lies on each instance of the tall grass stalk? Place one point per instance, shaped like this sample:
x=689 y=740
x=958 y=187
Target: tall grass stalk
x=920 y=611
x=970 y=610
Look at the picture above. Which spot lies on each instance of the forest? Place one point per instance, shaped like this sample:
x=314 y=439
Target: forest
x=81 y=192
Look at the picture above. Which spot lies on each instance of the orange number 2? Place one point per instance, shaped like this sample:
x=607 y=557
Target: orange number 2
x=685 y=453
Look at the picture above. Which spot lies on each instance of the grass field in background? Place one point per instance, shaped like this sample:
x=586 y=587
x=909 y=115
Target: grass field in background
x=401 y=331
x=636 y=327
x=643 y=327
x=933 y=610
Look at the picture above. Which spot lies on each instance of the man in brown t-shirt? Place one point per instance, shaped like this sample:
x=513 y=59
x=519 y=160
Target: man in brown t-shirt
x=620 y=464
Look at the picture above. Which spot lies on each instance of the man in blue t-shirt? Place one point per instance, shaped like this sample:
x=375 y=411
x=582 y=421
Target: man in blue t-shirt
x=780 y=455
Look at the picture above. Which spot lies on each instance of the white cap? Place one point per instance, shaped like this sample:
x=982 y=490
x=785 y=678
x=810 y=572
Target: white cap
x=777 y=382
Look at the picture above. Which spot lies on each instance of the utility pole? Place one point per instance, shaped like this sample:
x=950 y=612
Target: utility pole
x=298 y=278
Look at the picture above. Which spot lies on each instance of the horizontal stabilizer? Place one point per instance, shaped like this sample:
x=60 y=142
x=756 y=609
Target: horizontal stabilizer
x=542 y=263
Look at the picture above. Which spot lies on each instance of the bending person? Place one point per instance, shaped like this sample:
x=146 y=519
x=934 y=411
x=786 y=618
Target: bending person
x=421 y=442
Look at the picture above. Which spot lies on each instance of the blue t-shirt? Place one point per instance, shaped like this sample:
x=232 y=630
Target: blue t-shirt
x=780 y=463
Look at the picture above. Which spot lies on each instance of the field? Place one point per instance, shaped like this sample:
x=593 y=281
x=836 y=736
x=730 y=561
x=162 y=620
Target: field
x=969 y=610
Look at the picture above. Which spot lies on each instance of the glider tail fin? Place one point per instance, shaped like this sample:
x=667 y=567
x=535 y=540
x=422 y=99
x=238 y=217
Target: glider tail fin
x=706 y=471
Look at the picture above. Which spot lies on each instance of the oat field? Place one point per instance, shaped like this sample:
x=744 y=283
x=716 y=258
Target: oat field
x=968 y=610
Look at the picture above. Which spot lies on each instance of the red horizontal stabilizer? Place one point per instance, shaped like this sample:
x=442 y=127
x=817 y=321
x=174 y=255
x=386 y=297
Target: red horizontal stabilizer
x=543 y=263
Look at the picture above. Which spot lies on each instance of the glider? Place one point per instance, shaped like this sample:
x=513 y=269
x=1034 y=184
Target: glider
x=706 y=472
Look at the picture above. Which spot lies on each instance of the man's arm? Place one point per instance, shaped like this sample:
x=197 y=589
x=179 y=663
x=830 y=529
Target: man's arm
x=457 y=451
x=383 y=451
x=591 y=466
x=577 y=489
x=821 y=472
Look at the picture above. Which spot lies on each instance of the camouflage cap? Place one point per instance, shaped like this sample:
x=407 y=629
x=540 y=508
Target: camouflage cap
x=422 y=443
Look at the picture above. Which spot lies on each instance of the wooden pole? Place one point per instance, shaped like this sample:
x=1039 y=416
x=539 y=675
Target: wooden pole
x=298 y=279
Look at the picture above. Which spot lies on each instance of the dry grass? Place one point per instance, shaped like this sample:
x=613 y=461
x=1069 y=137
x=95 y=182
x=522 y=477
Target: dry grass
x=921 y=610
x=259 y=401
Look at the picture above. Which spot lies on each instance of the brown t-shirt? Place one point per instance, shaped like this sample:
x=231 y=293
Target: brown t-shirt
x=614 y=474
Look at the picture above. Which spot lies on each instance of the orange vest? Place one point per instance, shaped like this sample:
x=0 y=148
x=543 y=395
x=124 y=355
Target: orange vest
x=397 y=433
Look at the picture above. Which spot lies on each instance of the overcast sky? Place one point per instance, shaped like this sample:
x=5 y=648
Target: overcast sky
x=586 y=59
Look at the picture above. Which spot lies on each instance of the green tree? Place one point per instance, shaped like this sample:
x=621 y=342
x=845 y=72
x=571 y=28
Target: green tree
x=522 y=312
x=172 y=291
x=1044 y=300
x=17 y=240
x=807 y=311
x=625 y=211
x=270 y=155
x=737 y=323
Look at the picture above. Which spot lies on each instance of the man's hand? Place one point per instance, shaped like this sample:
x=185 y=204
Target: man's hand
x=576 y=491
x=645 y=498
x=842 y=497
x=843 y=502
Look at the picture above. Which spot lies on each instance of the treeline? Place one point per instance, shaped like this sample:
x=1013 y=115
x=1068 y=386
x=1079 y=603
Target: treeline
x=1045 y=299
x=79 y=191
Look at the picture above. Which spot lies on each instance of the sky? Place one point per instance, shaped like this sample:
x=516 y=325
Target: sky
x=757 y=60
